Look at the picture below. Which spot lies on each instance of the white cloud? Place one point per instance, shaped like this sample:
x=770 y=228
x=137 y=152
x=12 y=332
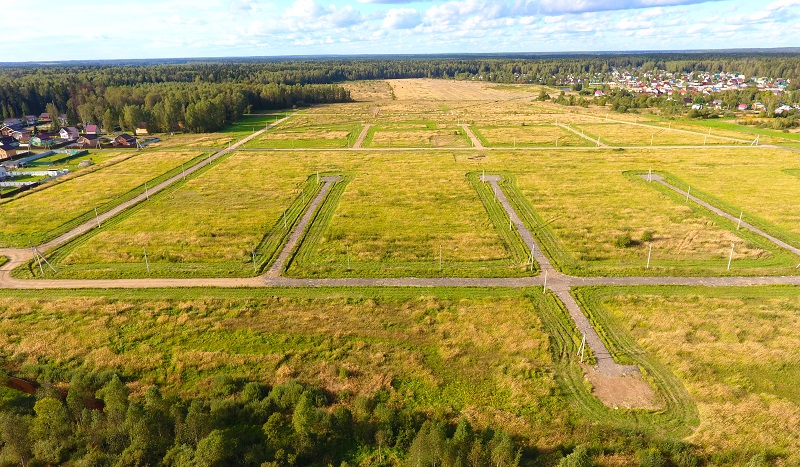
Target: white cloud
x=402 y=18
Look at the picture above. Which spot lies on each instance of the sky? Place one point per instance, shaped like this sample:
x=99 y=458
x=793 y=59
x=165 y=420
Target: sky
x=137 y=29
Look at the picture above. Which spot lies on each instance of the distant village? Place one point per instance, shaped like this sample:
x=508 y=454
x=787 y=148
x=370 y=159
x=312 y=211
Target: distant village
x=21 y=135
x=688 y=86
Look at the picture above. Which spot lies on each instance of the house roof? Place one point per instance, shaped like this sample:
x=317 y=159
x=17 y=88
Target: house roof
x=92 y=128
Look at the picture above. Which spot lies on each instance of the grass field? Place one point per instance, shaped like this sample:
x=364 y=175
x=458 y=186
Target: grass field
x=44 y=213
x=621 y=134
x=500 y=357
x=208 y=226
x=423 y=134
x=735 y=351
x=416 y=206
x=581 y=236
x=528 y=135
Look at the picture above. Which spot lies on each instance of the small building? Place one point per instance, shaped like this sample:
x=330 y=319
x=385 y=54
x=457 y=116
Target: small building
x=759 y=106
x=31 y=119
x=69 y=133
x=13 y=122
x=62 y=119
x=9 y=141
x=141 y=129
x=88 y=141
x=599 y=93
x=92 y=130
x=45 y=118
x=125 y=140
x=22 y=136
x=697 y=106
x=742 y=107
x=7 y=152
x=3 y=173
x=7 y=130
x=783 y=109
x=42 y=140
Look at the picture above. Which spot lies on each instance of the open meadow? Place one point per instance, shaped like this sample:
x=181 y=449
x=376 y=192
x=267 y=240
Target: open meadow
x=208 y=226
x=735 y=350
x=52 y=209
x=499 y=358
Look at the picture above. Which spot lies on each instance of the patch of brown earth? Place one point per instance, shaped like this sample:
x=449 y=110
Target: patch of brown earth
x=628 y=392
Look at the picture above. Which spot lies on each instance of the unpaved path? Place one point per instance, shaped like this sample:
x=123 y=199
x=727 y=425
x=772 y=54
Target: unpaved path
x=294 y=238
x=721 y=213
x=559 y=284
x=362 y=136
x=597 y=142
x=476 y=142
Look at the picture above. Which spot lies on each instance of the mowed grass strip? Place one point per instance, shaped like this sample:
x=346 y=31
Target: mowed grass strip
x=316 y=136
x=622 y=134
x=735 y=351
x=46 y=213
x=396 y=215
x=417 y=135
x=209 y=226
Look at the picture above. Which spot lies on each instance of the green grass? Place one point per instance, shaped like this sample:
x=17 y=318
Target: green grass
x=731 y=349
x=408 y=224
x=218 y=241
x=42 y=214
x=502 y=356
x=312 y=136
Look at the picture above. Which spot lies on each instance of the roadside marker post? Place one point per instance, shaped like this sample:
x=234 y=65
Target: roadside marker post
x=146 y=194
x=740 y=220
x=97 y=218
x=687 y=194
x=254 y=259
x=544 y=287
x=649 y=254
x=731 y=256
x=146 y=261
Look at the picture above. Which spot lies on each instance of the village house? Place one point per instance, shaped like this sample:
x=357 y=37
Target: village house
x=7 y=152
x=23 y=136
x=31 y=119
x=742 y=107
x=125 y=140
x=45 y=118
x=69 y=133
x=9 y=141
x=88 y=141
x=141 y=129
x=92 y=130
x=42 y=140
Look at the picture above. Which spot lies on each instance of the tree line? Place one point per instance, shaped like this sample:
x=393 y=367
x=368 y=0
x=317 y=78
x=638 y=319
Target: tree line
x=203 y=95
x=288 y=424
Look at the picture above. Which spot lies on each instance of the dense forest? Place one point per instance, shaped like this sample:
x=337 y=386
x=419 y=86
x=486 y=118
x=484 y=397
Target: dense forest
x=206 y=95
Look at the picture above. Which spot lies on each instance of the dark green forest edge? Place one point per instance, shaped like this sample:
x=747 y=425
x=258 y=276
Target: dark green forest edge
x=202 y=96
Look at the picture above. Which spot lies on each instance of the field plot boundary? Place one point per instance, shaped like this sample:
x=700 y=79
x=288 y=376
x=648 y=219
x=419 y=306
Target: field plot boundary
x=532 y=127
x=752 y=228
x=510 y=237
x=57 y=254
x=679 y=410
x=515 y=265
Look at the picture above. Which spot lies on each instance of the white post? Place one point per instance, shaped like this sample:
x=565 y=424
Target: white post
x=556 y=141
x=649 y=254
x=740 y=220
x=531 y=259
x=440 y=256
x=97 y=218
x=317 y=176
x=483 y=176
x=687 y=194
x=544 y=287
x=598 y=141
x=146 y=261
x=650 y=175
x=704 y=140
x=583 y=347
x=145 y=191
x=284 y=220
x=731 y=257
x=254 y=260
x=184 y=171
x=348 y=256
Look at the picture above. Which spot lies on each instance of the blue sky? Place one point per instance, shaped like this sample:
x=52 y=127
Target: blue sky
x=127 y=29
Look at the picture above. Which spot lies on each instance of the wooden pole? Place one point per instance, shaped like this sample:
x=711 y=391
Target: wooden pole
x=146 y=261
x=97 y=218
x=740 y=220
x=649 y=254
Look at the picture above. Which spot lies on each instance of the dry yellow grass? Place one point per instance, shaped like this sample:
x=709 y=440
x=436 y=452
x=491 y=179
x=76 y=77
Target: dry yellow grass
x=420 y=139
x=216 y=217
x=736 y=351
x=533 y=135
x=640 y=135
x=47 y=209
x=446 y=90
